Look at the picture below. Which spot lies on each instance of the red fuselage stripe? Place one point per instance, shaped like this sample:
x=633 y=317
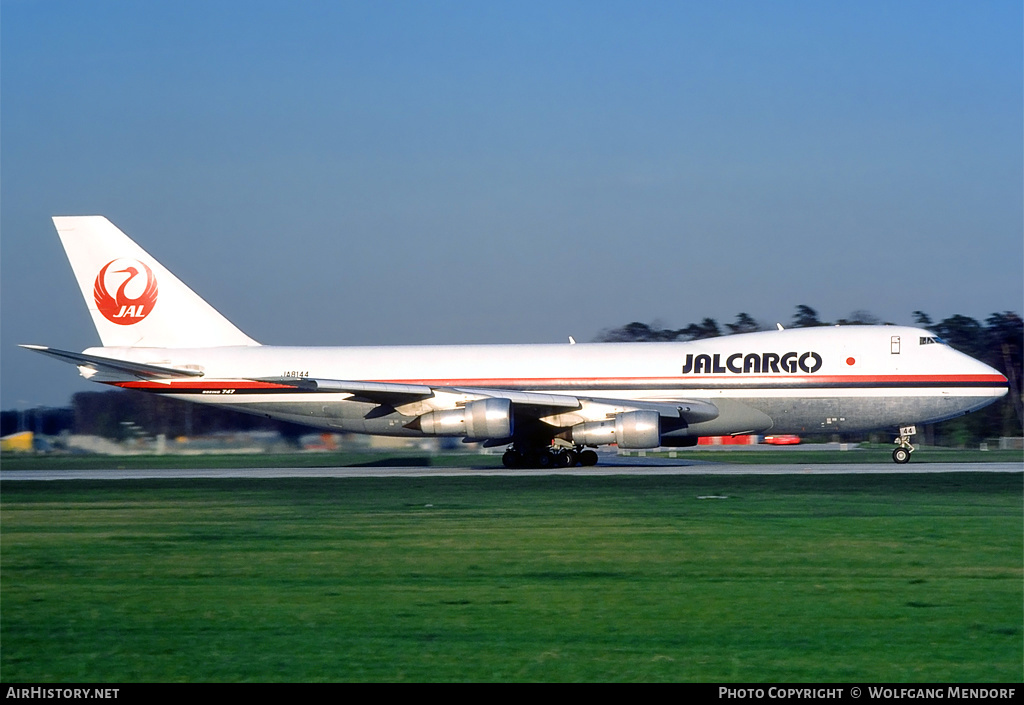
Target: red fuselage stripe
x=691 y=381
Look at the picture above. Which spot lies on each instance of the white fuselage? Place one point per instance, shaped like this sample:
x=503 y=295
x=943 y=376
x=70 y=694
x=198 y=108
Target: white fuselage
x=833 y=379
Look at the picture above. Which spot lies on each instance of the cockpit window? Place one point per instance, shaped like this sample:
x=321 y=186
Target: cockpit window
x=931 y=340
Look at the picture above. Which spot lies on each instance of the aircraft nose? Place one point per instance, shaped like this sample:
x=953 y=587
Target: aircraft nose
x=987 y=380
x=999 y=381
x=1004 y=381
x=996 y=375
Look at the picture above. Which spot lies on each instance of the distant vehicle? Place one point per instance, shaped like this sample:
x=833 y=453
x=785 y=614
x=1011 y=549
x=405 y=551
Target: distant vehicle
x=549 y=404
x=783 y=440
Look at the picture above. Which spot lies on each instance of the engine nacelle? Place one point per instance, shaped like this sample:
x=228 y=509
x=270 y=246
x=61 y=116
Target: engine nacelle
x=484 y=418
x=633 y=429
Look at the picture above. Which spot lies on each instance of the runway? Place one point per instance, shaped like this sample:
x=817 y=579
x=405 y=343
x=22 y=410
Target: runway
x=608 y=467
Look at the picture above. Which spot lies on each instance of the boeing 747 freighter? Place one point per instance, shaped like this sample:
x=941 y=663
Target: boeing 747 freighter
x=549 y=404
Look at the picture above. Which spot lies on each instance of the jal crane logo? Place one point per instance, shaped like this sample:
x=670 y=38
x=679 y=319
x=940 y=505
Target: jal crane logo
x=125 y=307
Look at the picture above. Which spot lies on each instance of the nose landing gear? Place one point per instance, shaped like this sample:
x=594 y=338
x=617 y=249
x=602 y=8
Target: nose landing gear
x=902 y=454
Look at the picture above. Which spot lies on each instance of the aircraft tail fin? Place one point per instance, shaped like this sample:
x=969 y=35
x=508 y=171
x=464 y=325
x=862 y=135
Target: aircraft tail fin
x=134 y=301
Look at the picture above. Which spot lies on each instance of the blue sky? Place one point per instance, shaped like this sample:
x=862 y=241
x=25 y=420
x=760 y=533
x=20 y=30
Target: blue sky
x=469 y=172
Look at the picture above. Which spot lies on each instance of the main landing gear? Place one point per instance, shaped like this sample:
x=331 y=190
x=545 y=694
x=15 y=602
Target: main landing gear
x=902 y=454
x=548 y=457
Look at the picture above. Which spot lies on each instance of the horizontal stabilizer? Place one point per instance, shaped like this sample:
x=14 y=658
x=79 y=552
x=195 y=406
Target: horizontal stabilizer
x=109 y=366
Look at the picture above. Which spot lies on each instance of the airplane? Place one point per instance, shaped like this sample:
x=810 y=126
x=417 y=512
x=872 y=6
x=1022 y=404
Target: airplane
x=549 y=404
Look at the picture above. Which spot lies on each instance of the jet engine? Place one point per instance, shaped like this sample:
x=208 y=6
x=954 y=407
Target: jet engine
x=632 y=429
x=484 y=418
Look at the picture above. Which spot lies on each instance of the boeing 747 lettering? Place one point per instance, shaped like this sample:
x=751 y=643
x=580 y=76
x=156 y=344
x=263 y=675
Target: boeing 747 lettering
x=549 y=404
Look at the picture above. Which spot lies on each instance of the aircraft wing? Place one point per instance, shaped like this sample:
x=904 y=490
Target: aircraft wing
x=693 y=410
x=536 y=404
x=396 y=394
x=91 y=365
x=390 y=393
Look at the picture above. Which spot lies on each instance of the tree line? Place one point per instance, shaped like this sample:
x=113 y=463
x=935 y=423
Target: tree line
x=805 y=317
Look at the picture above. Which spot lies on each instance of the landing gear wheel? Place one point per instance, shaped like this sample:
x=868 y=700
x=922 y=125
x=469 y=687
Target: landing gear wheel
x=901 y=456
x=565 y=459
x=543 y=457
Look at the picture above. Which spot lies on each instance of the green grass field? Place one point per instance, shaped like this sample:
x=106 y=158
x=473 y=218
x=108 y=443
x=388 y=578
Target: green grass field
x=781 y=578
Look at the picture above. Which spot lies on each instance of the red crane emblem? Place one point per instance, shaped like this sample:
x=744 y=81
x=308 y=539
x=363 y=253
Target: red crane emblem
x=120 y=308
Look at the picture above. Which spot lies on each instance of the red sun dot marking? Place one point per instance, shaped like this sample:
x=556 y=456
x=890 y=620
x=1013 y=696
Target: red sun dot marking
x=850 y=361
